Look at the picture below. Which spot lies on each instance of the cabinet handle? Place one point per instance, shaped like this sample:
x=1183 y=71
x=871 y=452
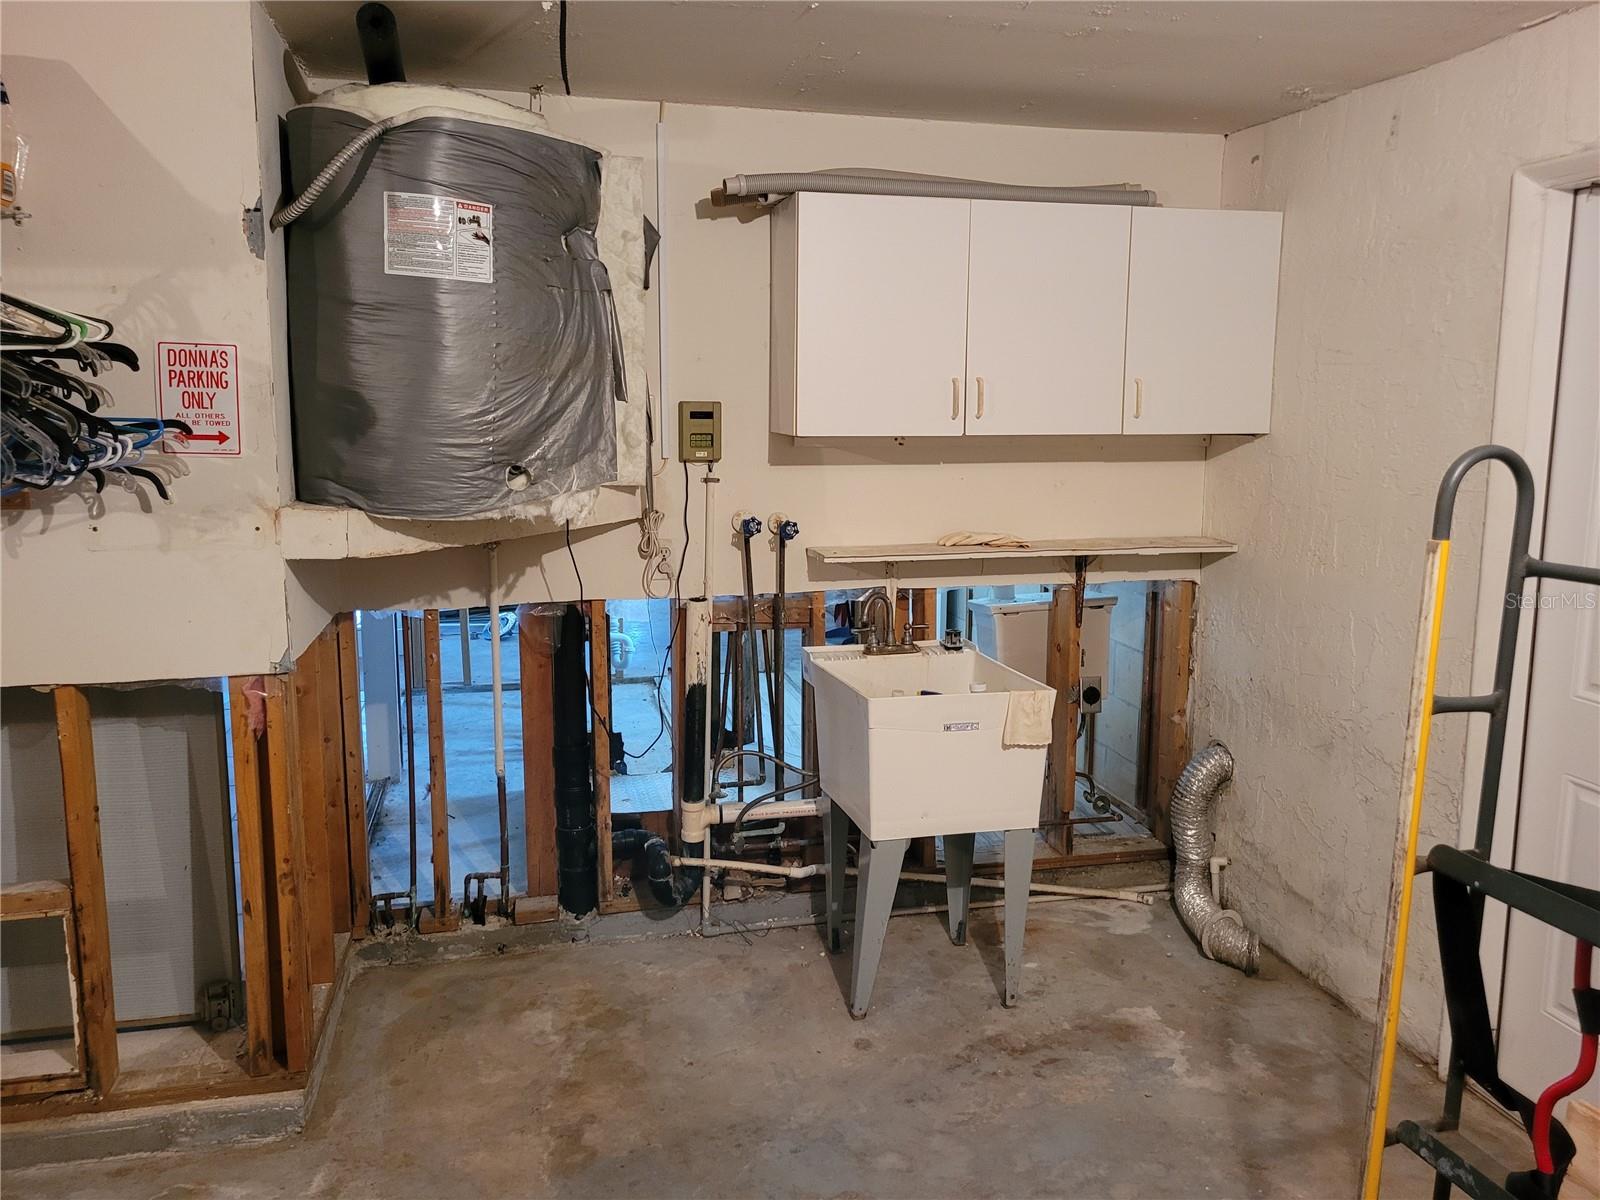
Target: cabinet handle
x=980 y=397
x=955 y=398
x=1138 y=397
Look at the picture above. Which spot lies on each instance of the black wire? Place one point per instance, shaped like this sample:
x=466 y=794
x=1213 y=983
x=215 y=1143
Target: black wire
x=565 y=82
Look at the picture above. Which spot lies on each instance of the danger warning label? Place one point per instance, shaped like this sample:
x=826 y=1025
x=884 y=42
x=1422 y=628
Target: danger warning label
x=438 y=237
x=198 y=383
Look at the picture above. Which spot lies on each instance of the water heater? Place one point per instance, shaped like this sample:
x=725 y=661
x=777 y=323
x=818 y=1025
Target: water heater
x=453 y=342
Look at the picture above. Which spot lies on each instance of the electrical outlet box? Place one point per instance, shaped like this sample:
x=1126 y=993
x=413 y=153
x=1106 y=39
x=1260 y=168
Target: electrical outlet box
x=1091 y=694
x=700 y=431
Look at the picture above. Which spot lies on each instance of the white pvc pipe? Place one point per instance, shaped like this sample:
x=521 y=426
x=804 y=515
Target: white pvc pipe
x=711 y=738
x=724 y=864
x=811 y=869
x=773 y=810
x=494 y=659
x=1218 y=861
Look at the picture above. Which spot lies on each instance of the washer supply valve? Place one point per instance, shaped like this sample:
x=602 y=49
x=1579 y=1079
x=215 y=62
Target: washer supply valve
x=746 y=525
x=786 y=529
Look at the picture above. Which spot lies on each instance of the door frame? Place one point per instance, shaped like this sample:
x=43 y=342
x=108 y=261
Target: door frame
x=1532 y=307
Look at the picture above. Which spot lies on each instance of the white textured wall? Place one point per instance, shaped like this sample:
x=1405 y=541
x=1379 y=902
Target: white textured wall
x=1395 y=202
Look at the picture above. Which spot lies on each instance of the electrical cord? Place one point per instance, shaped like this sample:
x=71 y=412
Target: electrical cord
x=657 y=557
x=677 y=621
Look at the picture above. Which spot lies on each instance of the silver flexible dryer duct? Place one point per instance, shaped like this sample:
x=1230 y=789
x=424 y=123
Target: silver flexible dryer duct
x=888 y=183
x=1220 y=931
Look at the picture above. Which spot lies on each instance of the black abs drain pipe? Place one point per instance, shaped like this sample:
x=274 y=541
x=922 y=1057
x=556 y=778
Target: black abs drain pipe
x=577 y=850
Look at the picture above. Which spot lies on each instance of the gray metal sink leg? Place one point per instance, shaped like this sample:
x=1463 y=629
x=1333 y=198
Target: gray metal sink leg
x=835 y=834
x=958 y=881
x=1019 y=878
x=875 y=888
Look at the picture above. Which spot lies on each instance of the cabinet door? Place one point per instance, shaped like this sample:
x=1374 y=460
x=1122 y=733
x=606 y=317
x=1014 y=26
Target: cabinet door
x=1047 y=310
x=881 y=315
x=1202 y=313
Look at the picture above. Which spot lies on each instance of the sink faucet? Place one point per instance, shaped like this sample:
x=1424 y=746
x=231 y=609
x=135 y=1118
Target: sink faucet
x=876 y=642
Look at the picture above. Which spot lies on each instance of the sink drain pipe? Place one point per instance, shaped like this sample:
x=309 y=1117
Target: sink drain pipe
x=577 y=850
x=674 y=879
x=1221 y=932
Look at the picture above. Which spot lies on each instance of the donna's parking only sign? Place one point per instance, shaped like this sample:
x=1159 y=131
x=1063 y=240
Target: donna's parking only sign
x=198 y=383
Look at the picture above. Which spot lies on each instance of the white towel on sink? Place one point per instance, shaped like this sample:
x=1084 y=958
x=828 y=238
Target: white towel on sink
x=1029 y=718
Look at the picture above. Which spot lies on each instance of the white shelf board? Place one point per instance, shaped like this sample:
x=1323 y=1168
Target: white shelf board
x=315 y=531
x=1058 y=548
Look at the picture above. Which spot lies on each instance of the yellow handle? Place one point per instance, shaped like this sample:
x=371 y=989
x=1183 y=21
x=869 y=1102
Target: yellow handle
x=955 y=398
x=1424 y=674
x=980 y=397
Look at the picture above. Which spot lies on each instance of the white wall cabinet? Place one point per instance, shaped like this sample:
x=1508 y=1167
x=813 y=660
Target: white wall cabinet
x=1202 y=314
x=870 y=301
x=1047 y=303
x=916 y=317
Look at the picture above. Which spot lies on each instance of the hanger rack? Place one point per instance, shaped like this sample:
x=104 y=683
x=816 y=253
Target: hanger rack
x=52 y=431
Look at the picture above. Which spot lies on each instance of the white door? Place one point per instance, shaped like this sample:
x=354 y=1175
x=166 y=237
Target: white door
x=1558 y=813
x=1047 y=309
x=1202 y=314
x=881 y=314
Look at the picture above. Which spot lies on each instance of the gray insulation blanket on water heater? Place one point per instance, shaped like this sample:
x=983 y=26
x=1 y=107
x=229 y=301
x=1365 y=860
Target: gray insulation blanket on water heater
x=450 y=321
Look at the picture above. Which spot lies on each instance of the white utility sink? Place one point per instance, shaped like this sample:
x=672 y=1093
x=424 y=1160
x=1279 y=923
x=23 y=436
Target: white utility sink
x=903 y=764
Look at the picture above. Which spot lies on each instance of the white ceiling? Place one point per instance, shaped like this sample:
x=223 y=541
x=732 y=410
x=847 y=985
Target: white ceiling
x=1210 y=67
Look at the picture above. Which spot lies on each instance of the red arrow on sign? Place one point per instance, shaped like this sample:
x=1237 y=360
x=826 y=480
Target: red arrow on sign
x=218 y=438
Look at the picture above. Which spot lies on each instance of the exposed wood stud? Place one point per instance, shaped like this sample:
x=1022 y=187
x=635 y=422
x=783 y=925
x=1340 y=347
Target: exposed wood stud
x=253 y=877
x=536 y=650
x=600 y=691
x=81 y=800
x=42 y=898
x=1145 y=767
x=312 y=790
x=816 y=634
x=289 y=913
x=355 y=774
x=1063 y=666
x=727 y=613
x=331 y=724
x=1169 y=741
x=442 y=915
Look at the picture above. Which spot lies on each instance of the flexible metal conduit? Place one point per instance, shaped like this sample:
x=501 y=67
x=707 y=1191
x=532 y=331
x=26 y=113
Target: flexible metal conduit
x=865 y=183
x=1220 y=931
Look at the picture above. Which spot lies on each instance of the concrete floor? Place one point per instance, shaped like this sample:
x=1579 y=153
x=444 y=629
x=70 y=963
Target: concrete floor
x=729 y=1067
